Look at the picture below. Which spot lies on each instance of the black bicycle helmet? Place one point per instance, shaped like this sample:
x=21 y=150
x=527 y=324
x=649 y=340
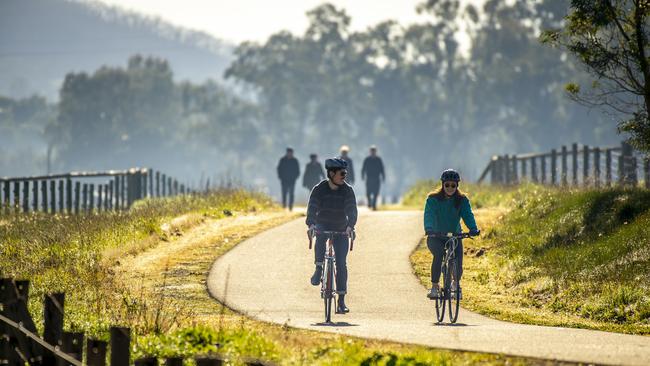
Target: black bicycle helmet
x=336 y=163
x=450 y=175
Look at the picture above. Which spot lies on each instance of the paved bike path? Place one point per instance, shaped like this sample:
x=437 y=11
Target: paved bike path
x=267 y=278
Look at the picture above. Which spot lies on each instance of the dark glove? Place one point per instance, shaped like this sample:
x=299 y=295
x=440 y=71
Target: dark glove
x=474 y=232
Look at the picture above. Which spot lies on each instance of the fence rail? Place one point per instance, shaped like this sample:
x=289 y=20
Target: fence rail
x=77 y=192
x=20 y=343
x=577 y=165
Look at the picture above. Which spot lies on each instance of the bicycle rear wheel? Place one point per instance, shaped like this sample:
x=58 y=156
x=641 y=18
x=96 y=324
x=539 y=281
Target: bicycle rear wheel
x=328 y=277
x=454 y=300
x=440 y=300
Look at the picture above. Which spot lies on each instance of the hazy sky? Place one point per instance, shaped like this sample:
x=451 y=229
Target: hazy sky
x=240 y=20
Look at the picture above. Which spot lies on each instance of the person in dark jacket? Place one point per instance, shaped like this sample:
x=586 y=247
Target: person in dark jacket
x=288 y=172
x=314 y=173
x=333 y=207
x=344 y=155
x=373 y=173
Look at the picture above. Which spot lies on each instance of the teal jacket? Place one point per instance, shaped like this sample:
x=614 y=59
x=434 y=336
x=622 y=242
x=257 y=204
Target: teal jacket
x=443 y=216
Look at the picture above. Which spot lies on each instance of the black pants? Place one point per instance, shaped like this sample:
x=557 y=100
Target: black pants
x=287 y=193
x=372 y=192
x=341 y=255
x=437 y=248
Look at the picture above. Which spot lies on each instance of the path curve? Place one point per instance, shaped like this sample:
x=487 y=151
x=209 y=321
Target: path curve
x=267 y=278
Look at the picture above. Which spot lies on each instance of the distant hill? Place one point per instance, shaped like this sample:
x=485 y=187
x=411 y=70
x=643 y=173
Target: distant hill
x=42 y=40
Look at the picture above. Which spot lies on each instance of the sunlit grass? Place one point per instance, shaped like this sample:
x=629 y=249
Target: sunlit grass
x=578 y=258
x=166 y=304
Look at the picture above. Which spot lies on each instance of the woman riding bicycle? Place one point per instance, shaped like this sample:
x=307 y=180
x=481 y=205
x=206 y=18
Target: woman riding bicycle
x=442 y=213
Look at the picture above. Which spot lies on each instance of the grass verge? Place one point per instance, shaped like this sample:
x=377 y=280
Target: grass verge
x=146 y=269
x=574 y=258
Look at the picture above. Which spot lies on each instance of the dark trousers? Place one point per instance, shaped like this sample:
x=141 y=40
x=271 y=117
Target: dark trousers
x=287 y=193
x=340 y=253
x=437 y=248
x=372 y=192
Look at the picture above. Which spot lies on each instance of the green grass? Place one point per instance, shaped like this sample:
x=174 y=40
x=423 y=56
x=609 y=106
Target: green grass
x=578 y=258
x=80 y=254
x=75 y=253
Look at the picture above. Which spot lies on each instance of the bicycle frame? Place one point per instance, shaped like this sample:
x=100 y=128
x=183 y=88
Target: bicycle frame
x=328 y=276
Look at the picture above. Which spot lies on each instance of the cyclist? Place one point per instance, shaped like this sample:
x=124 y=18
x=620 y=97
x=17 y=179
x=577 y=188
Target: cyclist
x=442 y=213
x=333 y=207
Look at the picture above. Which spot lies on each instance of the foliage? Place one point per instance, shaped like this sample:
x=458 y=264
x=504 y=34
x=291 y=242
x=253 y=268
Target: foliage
x=610 y=37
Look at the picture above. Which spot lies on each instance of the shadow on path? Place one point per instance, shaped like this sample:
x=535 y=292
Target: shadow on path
x=334 y=324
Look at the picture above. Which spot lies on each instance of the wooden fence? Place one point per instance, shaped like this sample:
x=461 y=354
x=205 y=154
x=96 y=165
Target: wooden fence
x=578 y=165
x=85 y=191
x=20 y=343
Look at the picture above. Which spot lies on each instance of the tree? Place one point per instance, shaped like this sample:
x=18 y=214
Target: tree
x=610 y=37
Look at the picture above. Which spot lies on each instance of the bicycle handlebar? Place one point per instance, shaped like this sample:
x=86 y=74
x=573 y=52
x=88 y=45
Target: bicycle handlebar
x=312 y=233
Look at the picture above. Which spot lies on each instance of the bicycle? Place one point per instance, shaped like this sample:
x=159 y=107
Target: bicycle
x=450 y=271
x=328 y=276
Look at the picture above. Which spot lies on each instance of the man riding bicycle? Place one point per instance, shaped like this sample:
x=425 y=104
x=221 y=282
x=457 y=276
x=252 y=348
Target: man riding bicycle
x=333 y=207
x=442 y=213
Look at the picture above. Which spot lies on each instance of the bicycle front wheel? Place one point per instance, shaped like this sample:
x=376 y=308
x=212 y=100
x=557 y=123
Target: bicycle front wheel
x=440 y=300
x=328 y=277
x=454 y=298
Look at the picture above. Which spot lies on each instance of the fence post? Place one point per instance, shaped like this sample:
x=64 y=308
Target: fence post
x=116 y=192
x=646 y=171
x=111 y=189
x=163 y=177
x=624 y=164
x=44 y=196
x=183 y=189
x=524 y=170
x=554 y=167
x=72 y=344
x=91 y=197
x=53 y=312
x=174 y=361
x=96 y=352
x=634 y=179
x=533 y=168
x=148 y=361
x=586 y=181
x=157 y=184
x=597 y=167
x=35 y=196
x=574 y=157
x=129 y=187
x=123 y=191
x=16 y=196
x=7 y=191
x=108 y=195
x=26 y=196
x=84 y=202
x=120 y=346
x=68 y=194
x=608 y=167
x=515 y=173
x=61 y=196
x=543 y=168
x=150 y=181
x=565 y=169
x=52 y=196
x=208 y=361
x=100 y=193
x=77 y=194
x=169 y=186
